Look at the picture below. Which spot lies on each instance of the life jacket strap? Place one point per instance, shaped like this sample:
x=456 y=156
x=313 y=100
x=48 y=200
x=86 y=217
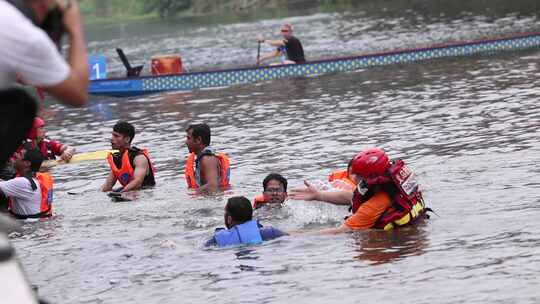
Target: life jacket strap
x=30 y=178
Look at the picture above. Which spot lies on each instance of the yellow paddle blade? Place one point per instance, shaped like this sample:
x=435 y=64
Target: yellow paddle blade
x=80 y=157
x=89 y=156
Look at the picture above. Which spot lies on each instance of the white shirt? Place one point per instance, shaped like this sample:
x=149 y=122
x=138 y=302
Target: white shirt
x=25 y=201
x=27 y=51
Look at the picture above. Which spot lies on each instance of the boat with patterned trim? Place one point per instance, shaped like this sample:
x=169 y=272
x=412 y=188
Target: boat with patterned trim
x=123 y=87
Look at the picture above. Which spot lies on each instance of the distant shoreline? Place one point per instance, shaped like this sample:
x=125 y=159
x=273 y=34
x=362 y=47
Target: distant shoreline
x=101 y=12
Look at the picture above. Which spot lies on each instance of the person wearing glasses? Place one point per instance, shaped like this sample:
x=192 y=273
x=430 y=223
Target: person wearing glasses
x=274 y=191
x=289 y=48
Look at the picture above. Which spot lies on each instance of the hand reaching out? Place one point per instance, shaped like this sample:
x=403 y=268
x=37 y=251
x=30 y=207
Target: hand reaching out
x=309 y=193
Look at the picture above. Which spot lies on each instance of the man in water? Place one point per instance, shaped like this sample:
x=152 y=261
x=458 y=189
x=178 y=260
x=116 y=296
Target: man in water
x=386 y=196
x=30 y=193
x=206 y=169
x=130 y=166
x=30 y=56
x=241 y=227
x=289 y=48
x=274 y=191
x=49 y=148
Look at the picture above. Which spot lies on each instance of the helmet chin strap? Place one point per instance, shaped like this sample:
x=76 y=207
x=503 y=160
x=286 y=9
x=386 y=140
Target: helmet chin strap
x=23 y=7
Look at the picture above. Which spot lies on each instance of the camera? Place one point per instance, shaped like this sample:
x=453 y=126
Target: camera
x=52 y=24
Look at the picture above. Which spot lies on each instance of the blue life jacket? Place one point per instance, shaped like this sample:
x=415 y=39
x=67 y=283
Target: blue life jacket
x=247 y=233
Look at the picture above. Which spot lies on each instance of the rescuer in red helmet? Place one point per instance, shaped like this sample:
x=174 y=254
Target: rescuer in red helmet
x=49 y=148
x=386 y=196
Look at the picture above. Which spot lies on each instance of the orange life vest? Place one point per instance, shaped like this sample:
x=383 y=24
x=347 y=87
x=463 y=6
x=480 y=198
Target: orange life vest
x=45 y=207
x=193 y=172
x=259 y=201
x=340 y=180
x=124 y=174
x=407 y=203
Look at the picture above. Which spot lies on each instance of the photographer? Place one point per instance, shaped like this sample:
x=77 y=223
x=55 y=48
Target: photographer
x=30 y=35
x=27 y=52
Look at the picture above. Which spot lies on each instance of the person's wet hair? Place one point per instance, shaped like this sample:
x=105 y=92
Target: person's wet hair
x=239 y=208
x=200 y=131
x=16 y=119
x=35 y=158
x=277 y=177
x=125 y=128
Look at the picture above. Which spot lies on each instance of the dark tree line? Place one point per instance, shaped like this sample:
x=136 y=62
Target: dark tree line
x=170 y=8
x=167 y=8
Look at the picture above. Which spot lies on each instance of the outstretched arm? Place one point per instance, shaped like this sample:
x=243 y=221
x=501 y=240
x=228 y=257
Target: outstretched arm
x=341 y=229
x=67 y=152
x=276 y=43
x=310 y=193
x=269 y=56
x=337 y=230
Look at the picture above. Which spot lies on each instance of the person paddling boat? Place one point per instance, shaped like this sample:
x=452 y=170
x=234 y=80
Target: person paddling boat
x=289 y=48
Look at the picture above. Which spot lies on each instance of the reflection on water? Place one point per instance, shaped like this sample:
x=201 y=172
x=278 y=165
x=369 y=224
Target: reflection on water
x=469 y=127
x=379 y=247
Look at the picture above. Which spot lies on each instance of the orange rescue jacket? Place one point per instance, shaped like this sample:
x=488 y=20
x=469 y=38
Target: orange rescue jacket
x=407 y=203
x=193 y=172
x=45 y=207
x=124 y=174
x=259 y=201
x=340 y=180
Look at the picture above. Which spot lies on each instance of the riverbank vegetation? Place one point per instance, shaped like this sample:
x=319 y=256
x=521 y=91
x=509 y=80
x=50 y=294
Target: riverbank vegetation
x=122 y=10
x=131 y=9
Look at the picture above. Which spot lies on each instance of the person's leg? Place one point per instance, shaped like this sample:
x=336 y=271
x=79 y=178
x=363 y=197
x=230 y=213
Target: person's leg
x=17 y=113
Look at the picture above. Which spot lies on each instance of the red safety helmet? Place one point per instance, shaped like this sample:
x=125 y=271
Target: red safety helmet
x=38 y=123
x=371 y=164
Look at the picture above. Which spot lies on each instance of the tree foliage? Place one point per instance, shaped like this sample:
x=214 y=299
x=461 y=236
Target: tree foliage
x=106 y=8
x=167 y=8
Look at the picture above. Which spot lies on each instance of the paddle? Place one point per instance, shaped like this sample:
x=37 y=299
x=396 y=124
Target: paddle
x=81 y=157
x=258 y=52
x=117 y=196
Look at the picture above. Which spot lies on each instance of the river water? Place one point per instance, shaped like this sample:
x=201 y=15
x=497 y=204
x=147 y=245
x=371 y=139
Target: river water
x=469 y=127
